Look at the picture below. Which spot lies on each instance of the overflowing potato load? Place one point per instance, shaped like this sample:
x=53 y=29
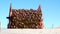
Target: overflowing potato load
x=22 y=18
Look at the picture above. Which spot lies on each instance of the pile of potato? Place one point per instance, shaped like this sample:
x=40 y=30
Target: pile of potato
x=25 y=19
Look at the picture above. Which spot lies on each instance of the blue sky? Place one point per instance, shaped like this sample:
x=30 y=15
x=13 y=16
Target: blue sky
x=50 y=9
